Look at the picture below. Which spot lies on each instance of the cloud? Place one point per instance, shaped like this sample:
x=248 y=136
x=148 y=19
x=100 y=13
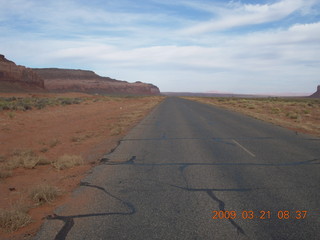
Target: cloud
x=238 y=15
x=136 y=44
x=263 y=60
x=71 y=19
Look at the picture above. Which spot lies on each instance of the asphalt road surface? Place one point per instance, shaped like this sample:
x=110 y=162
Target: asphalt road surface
x=194 y=171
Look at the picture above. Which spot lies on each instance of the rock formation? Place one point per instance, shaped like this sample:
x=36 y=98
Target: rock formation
x=317 y=93
x=68 y=80
x=15 y=78
x=18 y=78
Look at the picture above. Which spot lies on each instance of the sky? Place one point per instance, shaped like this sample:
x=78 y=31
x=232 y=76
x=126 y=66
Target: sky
x=244 y=46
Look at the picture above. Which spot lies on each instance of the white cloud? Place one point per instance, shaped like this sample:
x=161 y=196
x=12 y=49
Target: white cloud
x=253 y=62
x=262 y=60
x=65 y=18
x=237 y=15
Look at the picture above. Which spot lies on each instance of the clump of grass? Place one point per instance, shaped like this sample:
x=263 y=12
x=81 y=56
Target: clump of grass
x=5 y=174
x=306 y=111
x=30 y=163
x=44 y=193
x=67 y=161
x=43 y=161
x=81 y=138
x=251 y=106
x=28 y=103
x=275 y=110
x=25 y=159
x=75 y=139
x=14 y=218
x=44 y=149
x=11 y=115
x=310 y=104
x=69 y=101
x=116 y=131
x=292 y=115
x=54 y=143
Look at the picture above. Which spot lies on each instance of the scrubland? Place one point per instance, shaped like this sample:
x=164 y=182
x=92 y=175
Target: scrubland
x=47 y=144
x=298 y=114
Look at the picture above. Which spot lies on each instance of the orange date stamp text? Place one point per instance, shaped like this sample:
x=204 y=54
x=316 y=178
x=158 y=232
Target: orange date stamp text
x=262 y=214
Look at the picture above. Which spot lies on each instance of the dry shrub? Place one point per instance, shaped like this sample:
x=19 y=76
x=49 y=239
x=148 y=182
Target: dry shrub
x=67 y=161
x=44 y=149
x=5 y=174
x=81 y=138
x=54 y=143
x=30 y=162
x=44 y=193
x=26 y=159
x=275 y=110
x=118 y=127
x=251 y=106
x=116 y=131
x=43 y=161
x=11 y=115
x=293 y=115
x=12 y=163
x=14 y=218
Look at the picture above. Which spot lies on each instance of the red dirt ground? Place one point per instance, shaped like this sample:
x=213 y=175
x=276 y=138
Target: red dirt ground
x=89 y=129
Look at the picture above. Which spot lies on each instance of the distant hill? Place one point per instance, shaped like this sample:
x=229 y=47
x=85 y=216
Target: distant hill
x=317 y=93
x=18 y=78
x=70 y=80
x=14 y=78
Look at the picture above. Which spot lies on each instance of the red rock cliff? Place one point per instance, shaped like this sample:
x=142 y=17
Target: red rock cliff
x=317 y=93
x=18 y=78
x=68 y=80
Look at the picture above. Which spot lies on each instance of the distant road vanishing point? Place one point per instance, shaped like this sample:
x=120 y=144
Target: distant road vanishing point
x=194 y=171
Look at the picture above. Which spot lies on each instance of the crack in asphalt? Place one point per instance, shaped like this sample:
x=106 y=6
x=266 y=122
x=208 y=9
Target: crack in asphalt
x=222 y=208
x=221 y=204
x=106 y=161
x=69 y=220
x=181 y=169
x=210 y=192
x=220 y=140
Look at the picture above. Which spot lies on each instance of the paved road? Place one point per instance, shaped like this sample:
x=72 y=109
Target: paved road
x=186 y=160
